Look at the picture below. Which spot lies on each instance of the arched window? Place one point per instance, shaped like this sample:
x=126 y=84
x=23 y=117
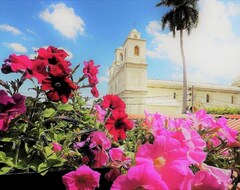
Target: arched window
x=121 y=57
x=135 y=36
x=232 y=99
x=136 y=50
x=174 y=95
x=207 y=98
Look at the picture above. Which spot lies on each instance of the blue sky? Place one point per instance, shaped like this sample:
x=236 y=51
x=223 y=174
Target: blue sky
x=93 y=29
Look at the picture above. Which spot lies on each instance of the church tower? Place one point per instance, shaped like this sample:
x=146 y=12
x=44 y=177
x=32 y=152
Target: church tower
x=128 y=73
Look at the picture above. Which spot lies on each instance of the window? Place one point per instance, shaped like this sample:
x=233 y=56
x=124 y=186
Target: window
x=174 y=95
x=136 y=50
x=121 y=57
x=232 y=99
x=207 y=98
x=135 y=36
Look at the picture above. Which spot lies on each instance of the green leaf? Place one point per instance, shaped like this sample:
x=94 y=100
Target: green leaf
x=5 y=170
x=49 y=112
x=9 y=162
x=2 y=156
x=65 y=107
x=48 y=151
x=43 y=168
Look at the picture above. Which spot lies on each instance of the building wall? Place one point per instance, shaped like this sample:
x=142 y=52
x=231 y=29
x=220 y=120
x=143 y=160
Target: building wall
x=128 y=79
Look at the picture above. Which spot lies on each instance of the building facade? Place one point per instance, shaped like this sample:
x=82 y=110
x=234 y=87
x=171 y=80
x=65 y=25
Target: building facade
x=128 y=79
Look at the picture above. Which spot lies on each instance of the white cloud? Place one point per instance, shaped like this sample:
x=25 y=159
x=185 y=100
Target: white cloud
x=16 y=47
x=8 y=28
x=211 y=50
x=64 y=20
x=103 y=79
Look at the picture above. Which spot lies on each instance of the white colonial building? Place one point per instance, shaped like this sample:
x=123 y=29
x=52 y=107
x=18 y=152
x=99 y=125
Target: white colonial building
x=128 y=79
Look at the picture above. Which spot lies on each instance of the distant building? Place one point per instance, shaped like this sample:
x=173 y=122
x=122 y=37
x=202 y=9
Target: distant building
x=128 y=79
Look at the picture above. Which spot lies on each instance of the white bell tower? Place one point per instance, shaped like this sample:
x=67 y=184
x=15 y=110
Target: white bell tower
x=128 y=73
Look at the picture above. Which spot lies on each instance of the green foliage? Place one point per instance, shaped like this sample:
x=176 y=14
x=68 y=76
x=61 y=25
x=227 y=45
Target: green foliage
x=223 y=110
x=27 y=145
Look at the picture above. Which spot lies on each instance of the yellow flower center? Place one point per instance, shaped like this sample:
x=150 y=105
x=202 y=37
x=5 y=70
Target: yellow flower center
x=159 y=162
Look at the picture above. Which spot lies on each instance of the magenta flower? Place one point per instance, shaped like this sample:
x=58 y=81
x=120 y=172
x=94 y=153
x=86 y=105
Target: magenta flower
x=99 y=138
x=201 y=120
x=168 y=158
x=100 y=113
x=139 y=177
x=204 y=180
x=10 y=108
x=100 y=158
x=32 y=68
x=56 y=147
x=83 y=178
x=222 y=176
x=91 y=71
x=193 y=142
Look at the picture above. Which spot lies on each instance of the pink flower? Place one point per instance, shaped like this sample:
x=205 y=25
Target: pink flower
x=99 y=138
x=156 y=124
x=56 y=147
x=119 y=158
x=100 y=159
x=139 y=177
x=195 y=144
x=91 y=71
x=83 y=178
x=204 y=180
x=32 y=68
x=222 y=176
x=201 y=120
x=10 y=108
x=100 y=113
x=168 y=158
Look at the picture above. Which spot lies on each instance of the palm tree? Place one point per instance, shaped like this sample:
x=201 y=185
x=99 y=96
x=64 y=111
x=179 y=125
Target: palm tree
x=182 y=15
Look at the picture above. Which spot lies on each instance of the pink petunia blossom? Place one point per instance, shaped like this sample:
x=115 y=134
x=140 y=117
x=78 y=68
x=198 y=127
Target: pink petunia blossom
x=99 y=138
x=100 y=158
x=100 y=113
x=156 y=124
x=83 y=178
x=201 y=120
x=204 y=180
x=56 y=147
x=11 y=107
x=139 y=177
x=169 y=159
x=193 y=141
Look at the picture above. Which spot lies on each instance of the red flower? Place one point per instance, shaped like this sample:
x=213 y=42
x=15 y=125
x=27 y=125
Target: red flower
x=117 y=124
x=113 y=102
x=91 y=72
x=58 y=86
x=94 y=91
x=55 y=58
x=32 y=68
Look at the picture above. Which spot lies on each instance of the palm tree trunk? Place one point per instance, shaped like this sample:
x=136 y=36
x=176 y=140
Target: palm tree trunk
x=184 y=98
